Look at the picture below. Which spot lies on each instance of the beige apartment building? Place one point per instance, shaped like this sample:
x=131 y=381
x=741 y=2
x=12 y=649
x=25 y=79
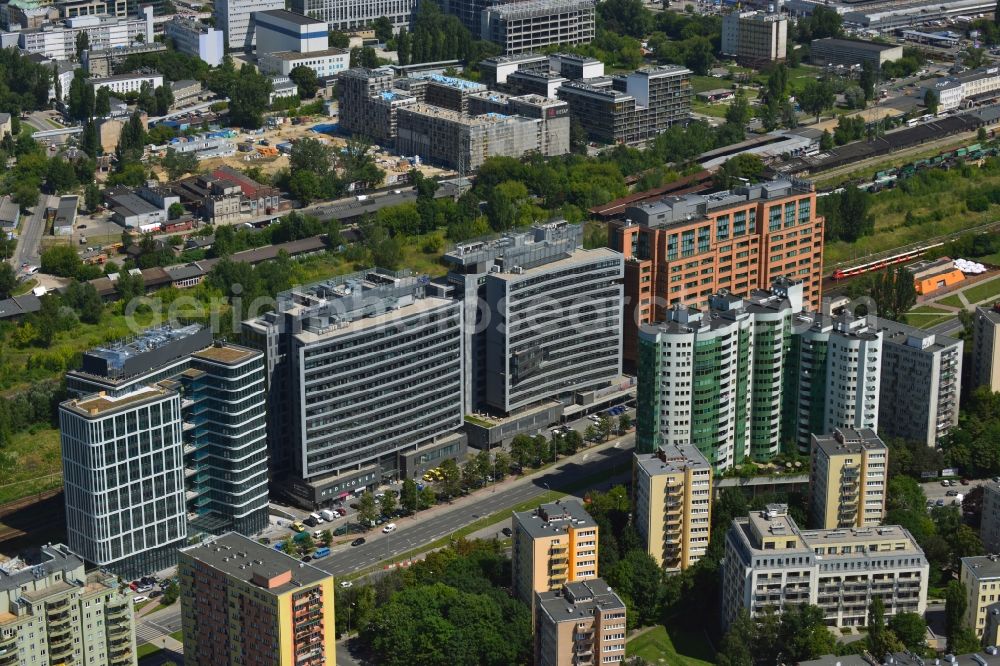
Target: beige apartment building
x=673 y=504
x=553 y=545
x=771 y=563
x=53 y=612
x=848 y=479
x=981 y=578
x=582 y=623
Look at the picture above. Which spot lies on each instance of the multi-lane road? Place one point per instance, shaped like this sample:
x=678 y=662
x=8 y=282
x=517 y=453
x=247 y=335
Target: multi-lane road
x=422 y=529
x=29 y=242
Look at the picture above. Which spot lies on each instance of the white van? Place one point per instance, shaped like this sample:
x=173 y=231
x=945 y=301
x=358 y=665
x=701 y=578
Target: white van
x=327 y=514
x=318 y=518
x=391 y=527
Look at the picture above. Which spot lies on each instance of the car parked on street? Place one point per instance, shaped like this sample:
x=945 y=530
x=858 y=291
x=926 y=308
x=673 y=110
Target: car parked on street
x=360 y=541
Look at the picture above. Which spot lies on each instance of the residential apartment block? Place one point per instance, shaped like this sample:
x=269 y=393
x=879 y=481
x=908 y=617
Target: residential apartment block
x=582 y=623
x=234 y=17
x=848 y=479
x=164 y=439
x=980 y=576
x=989 y=528
x=715 y=380
x=530 y=25
x=348 y=15
x=364 y=383
x=194 y=38
x=552 y=545
x=631 y=108
x=684 y=249
x=494 y=71
x=54 y=612
x=754 y=38
x=986 y=348
x=921 y=382
x=771 y=563
x=673 y=504
x=246 y=603
x=124 y=84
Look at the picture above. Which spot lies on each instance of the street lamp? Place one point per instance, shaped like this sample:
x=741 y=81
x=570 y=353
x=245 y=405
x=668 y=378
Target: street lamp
x=349 y=619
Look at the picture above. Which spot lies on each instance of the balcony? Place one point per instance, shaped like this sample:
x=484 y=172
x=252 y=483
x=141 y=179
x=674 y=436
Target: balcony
x=59 y=604
x=124 y=657
x=9 y=658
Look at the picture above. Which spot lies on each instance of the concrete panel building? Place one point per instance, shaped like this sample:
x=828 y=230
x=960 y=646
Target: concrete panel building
x=852 y=52
x=234 y=17
x=520 y=27
x=771 y=563
x=986 y=348
x=989 y=528
x=348 y=15
x=281 y=30
x=673 y=504
x=684 y=249
x=754 y=38
x=361 y=369
x=980 y=576
x=196 y=39
x=369 y=105
x=583 y=623
x=553 y=545
x=54 y=612
x=633 y=108
x=246 y=603
x=58 y=41
x=124 y=84
x=327 y=64
x=921 y=382
x=575 y=67
x=848 y=479
x=494 y=71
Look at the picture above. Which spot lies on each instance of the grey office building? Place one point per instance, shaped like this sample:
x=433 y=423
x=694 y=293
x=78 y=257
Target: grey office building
x=921 y=382
x=371 y=370
x=531 y=25
x=164 y=438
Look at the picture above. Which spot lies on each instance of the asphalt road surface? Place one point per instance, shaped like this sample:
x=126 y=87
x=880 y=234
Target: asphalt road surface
x=417 y=531
x=150 y=628
x=31 y=236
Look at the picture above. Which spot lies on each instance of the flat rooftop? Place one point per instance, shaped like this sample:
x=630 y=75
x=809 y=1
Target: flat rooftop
x=100 y=404
x=856 y=44
x=246 y=560
x=910 y=336
x=554 y=518
x=21 y=570
x=460 y=118
x=226 y=353
x=861 y=536
x=982 y=566
x=295 y=55
x=575 y=257
x=672 y=460
x=846 y=441
x=578 y=600
x=289 y=17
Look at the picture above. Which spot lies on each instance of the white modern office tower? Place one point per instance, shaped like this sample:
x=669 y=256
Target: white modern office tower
x=772 y=564
x=123 y=468
x=921 y=382
x=354 y=14
x=280 y=30
x=234 y=17
x=196 y=39
x=754 y=38
x=365 y=383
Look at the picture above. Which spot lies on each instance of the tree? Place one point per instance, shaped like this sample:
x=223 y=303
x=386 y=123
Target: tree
x=451 y=485
x=82 y=43
x=178 y=164
x=61 y=260
x=876 y=628
x=26 y=194
x=163 y=98
x=816 y=97
x=506 y=204
x=131 y=142
x=931 y=101
x=305 y=78
x=733 y=171
x=894 y=293
x=89 y=141
x=739 y=113
x=81 y=97
x=501 y=465
x=364 y=56
x=171 y=594
x=84 y=299
x=340 y=40
x=8 y=280
x=954 y=610
x=130 y=286
x=387 y=503
x=102 y=102
x=249 y=97
x=735 y=649
x=403 y=45
x=326 y=538
x=382 y=27
x=175 y=211
x=910 y=628
x=408 y=496
x=867 y=80
x=427 y=498
x=60 y=176
x=624 y=422
x=367 y=509
x=826 y=140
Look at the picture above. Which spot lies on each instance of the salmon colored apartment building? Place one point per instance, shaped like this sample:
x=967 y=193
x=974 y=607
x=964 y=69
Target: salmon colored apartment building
x=684 y=249
x=248 y=604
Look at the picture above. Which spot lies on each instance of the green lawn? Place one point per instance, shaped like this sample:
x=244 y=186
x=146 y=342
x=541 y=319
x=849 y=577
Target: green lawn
x=30 y=463
x=714 y=110
x=952 y=300
x=25 y=287
x=925 y=316
x=683 y=648
x=982 y=292
x=703 y=83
